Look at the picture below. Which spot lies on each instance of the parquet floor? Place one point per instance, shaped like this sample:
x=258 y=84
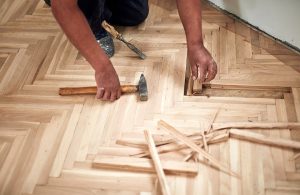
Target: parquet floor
x=48 y=142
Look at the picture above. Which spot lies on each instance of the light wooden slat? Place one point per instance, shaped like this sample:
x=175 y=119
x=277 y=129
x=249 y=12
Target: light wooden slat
x=145 y=165
x=261 y=139
x=256 y=125
x=157 y=164
x=173 y=146
x=192 y=145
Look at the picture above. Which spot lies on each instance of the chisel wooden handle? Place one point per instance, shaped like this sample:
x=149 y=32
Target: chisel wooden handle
x=111 y=30
x=93 y=90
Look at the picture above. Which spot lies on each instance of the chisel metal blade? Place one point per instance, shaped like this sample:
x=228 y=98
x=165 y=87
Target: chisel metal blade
x=120 y=37
x=133 y=48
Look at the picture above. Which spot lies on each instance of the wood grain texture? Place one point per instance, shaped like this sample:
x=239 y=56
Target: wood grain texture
x=48 y=142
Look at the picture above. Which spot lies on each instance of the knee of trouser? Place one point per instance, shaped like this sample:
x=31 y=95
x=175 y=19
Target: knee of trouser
x=141 y=15
x=144 y=14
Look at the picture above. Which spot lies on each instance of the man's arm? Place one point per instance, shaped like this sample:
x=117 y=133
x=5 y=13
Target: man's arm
x=202 y=64
x=76 y=27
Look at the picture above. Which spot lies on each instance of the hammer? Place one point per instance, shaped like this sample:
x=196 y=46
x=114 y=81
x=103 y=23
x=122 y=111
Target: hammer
x=141 y=88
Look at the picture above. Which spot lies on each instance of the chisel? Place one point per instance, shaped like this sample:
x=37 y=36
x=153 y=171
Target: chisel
x=120 y=37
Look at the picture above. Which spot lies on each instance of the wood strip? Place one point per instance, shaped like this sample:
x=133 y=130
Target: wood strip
x=259 y=138
x=144 y=165
x=192 y=145
x=157 y=164
x=197 y=87
x=212 y=120
x=189 y=156
x=255 y=125
x=195 y=136
x=172 y=140
x=204 y=142
x=130 y=143
x=171 y=147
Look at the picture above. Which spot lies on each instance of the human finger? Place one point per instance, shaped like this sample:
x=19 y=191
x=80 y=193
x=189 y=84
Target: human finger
x=212 y=71
x=202 y=71
x=106 y=95
x=194 y=69
x=119 y=93
x=113 y=96
x=100 y=93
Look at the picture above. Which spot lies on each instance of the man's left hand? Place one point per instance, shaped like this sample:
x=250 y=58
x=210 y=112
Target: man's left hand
x=203 y=66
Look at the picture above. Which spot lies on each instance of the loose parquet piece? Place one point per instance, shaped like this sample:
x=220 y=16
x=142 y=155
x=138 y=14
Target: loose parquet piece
x=157 y=164
x=211 y=122
x=192 y=145
x=255 y=125
x=172 y=147
x=262 y=139
x=144 y=165
x=204 y=142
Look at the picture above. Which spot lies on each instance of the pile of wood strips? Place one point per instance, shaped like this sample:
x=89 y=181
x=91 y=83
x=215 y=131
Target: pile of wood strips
x=146 y=158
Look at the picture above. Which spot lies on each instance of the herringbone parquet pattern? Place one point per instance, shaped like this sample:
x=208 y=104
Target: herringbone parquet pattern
x=48 y=142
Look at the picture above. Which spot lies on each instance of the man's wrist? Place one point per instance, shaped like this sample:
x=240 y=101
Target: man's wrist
x=195 y=44
x=102 y=65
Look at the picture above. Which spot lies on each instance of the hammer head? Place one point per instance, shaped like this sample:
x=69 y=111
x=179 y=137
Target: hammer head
x=143 y=90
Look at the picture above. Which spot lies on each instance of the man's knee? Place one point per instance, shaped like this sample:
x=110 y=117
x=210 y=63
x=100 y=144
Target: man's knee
x=137 y=16
x=143 y=15
x=129 y=13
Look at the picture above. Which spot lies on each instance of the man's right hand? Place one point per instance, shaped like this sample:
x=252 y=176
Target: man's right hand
x=81 y=35
x=108 y=83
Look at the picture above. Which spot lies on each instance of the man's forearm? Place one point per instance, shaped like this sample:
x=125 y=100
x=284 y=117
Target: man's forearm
x=190 y=14
x=203 y=66
x=76 y=27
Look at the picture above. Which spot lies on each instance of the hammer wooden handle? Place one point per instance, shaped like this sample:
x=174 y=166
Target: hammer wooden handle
x=93 y=90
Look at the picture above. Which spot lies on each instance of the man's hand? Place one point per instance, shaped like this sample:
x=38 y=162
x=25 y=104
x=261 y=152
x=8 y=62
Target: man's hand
x=77 y=29
x=203 y=66
x=108 y=84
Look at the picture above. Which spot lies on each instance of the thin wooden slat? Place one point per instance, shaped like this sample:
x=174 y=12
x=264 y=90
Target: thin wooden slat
x=189 y=156
x=197 y=87
x=144 y=165
x=261 y=139
x=157 y=164
x=192 y=145
x=255 y=125
x=171 y=147
x=212 y=120
x=204 y=142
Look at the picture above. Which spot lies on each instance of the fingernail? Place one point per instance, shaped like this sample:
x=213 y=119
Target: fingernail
x=194 y=78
